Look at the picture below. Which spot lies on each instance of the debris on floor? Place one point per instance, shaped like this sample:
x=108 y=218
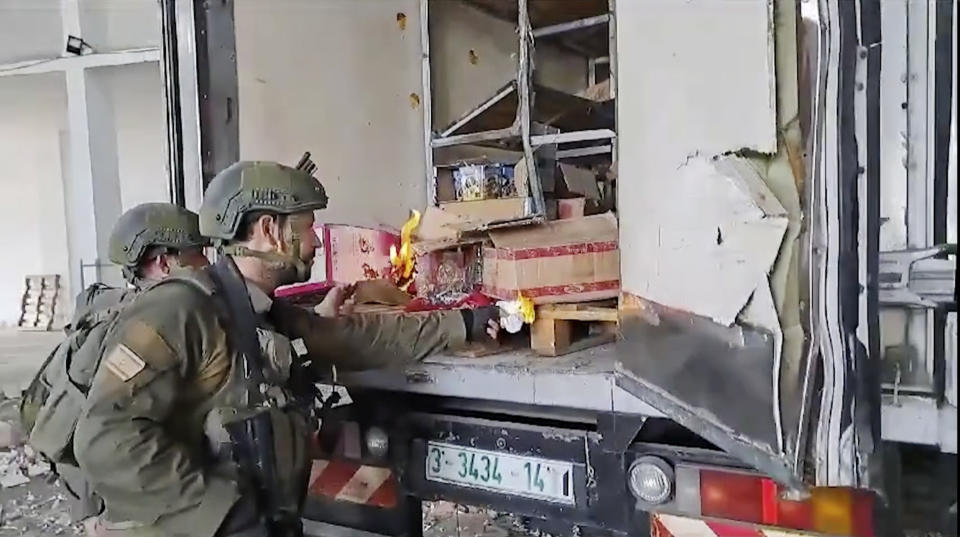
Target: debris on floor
x=9 y=435
x=445 y=519
x=32 y=502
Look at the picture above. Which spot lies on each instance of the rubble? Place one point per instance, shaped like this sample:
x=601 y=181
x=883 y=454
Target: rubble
x=13 y=477
x=445 y=519
x=31 y=501
x=9 y=435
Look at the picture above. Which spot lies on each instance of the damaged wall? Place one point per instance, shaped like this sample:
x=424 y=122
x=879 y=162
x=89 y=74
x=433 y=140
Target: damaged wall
x=683 y=96
x=342 y=79
x=708 y=232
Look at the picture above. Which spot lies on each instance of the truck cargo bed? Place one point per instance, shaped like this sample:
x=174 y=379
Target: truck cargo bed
x=584 y=380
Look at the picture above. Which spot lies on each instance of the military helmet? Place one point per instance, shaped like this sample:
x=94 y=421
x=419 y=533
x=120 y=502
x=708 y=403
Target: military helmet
x=249 y=186
x=152 y=224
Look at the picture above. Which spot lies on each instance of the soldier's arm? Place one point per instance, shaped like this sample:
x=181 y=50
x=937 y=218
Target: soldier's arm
x=370 y=341
x=123 y=440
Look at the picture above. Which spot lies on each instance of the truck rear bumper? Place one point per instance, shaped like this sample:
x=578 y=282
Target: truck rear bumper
x=676 y=526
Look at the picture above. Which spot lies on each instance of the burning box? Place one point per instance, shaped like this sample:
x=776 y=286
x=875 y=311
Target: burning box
x=449 y=272
x=448 y=263
x=356 y=253
x=575 y=260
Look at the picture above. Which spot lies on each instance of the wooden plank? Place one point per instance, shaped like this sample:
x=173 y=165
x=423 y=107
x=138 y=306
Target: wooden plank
x=549 y=337
x=586 y=314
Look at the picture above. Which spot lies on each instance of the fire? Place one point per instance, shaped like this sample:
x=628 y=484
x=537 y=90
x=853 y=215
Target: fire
x=403 y=261
x=526 y=308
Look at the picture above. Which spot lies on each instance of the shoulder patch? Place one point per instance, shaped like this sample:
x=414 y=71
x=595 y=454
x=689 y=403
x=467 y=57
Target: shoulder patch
x=124 y=363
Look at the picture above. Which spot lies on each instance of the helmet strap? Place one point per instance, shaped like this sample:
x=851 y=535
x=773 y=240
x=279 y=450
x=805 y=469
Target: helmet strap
x=290 y=242
x=285 y=260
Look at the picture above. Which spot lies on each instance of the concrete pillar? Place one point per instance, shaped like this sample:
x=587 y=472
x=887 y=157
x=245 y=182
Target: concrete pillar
x=93 y=200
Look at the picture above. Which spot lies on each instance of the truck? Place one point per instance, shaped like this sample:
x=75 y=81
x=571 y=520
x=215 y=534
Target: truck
x=783 y=173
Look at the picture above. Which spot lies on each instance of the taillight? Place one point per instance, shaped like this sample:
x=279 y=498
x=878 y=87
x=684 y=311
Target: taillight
x=750 y=498
x=732 y=496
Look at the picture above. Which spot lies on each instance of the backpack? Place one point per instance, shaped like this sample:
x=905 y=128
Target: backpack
x=50 y=406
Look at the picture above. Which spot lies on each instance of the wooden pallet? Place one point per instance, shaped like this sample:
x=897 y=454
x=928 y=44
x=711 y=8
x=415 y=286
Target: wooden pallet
x=564 y=328
x=39 y=302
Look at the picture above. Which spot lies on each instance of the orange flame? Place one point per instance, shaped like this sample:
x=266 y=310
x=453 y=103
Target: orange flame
x=403 y=260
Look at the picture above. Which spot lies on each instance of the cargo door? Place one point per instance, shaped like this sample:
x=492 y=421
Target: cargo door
x=748 y=223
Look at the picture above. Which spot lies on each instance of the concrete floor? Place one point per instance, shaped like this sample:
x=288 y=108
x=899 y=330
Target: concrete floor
x=21 y=354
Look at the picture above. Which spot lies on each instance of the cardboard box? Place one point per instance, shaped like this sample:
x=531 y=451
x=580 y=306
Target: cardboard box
x=484 y=212
x=483 y=181
x=574 y=260
x=447 y=261
x=448 y=272
x=571 y=208
x=356 y=253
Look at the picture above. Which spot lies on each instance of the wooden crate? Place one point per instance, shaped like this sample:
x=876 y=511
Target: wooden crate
x=38 y=306
x=564 y=328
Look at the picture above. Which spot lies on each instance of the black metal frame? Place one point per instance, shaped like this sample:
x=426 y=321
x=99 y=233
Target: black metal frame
x=217 y=86
x=598 y=452
x=171 y=83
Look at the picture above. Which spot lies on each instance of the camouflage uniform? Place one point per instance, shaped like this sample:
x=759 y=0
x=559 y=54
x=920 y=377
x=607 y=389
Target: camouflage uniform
x=51 y=404
x=156 y=435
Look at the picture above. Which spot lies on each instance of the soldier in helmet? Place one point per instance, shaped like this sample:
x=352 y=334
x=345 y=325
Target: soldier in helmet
x=147 y=242
x=194 y=426
x=150 y=240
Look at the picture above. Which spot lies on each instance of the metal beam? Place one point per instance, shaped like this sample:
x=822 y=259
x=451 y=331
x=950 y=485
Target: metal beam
x=572 y=25
x=426 y=103
x=170 y=74
x=189 y=104
x=478 y=110
x=584 y=151
x=525 y=108
x=575 y=136
x=217 y=86
x=474 y=137
x=87 y=61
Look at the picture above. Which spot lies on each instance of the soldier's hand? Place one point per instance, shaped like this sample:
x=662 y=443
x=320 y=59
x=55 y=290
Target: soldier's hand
x=482 y=324
x=334 y=304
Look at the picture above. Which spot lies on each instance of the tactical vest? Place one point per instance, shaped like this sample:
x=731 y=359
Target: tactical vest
x=257 y=424
x=50 y=406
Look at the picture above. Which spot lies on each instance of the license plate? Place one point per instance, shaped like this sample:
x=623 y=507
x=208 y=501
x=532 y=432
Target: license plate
x=529 y=477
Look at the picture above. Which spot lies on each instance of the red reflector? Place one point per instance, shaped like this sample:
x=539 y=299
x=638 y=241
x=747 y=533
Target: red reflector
x=796 y=515
x=753 y=499
x=731 y=496
x=863 y=513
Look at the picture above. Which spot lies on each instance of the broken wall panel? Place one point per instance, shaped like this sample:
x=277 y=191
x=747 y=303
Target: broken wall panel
x=705 y=91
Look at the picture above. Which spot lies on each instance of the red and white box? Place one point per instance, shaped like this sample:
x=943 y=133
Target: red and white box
x=355 y=253
x=575 y=260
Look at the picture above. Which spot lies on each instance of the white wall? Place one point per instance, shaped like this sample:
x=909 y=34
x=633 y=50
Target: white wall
x=336 y=77
x=29 y=29
x=122 y=130
x=120 y=24
x=32 y=218
x=137 y=99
